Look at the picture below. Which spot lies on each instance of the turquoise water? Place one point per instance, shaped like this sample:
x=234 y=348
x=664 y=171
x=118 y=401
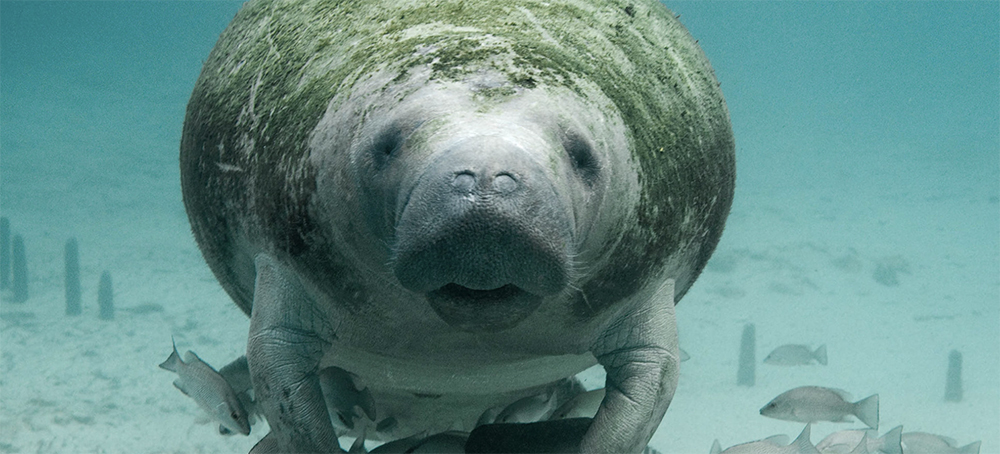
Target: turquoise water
x=868 y=139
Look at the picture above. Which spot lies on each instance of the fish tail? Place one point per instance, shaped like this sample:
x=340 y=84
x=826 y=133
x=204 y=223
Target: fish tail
x=820 y=354
x=802 y=442
x=174 y=360
x=971 y=448
x=367 y=403
x=359 y=443
x=867 y=411
x=892 y=441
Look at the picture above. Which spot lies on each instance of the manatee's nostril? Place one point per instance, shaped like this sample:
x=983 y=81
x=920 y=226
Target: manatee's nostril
x=464 y=182
x=504 y=183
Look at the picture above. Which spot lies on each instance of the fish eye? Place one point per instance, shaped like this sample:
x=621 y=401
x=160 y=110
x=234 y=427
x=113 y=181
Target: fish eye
x=235 y=415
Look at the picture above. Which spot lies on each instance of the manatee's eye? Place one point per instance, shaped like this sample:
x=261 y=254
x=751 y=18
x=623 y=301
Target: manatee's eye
x=386 y=143
x=390 y=139
x=582 y=156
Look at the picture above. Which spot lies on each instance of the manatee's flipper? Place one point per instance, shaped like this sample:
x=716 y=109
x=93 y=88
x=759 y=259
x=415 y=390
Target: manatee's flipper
x=639 y=352
x=284 y=350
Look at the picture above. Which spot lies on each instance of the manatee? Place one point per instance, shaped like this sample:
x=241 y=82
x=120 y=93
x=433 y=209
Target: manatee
x=461 y=203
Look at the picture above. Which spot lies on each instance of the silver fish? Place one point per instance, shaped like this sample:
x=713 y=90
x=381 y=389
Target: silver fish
x=925 y=443
x=209 y=389
x=400 y=446
x=237 y=374
x=358 y=447
x=583 y=405
x=845 y=441
x=451 y=442
x=814 y=403
x=796 y=355
x=343 y=397
x=489 y=415
x=529 y=409
x=772 y=445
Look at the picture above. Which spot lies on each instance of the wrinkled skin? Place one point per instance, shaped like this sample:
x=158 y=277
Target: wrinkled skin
x=461 y=204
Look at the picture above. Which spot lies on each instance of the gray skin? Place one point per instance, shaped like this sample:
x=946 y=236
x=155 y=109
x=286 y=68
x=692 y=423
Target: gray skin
x=461 y=203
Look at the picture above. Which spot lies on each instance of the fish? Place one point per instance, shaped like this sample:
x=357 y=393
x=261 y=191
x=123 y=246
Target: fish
x=925 y=443
x=489 y=415
x=358 y=447
x=199 y=381
x=528 y=409
x=450 y=442
x=237 y=374
x=772 y=445
x=583 y=405
x=845 y=441
x=400 y=446
x=796 y=355
x=343 y=397
x=815 y=403
x=387 y=426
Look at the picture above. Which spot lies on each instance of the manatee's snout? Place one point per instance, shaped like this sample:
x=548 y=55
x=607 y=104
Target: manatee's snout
x=484 y=235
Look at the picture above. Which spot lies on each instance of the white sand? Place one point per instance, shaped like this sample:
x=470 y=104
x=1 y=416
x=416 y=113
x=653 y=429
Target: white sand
x=85 y=385
x=797 y=260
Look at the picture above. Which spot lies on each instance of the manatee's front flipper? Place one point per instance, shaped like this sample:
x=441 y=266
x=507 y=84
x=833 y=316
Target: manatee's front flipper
x=640 y=355
x=286 y=343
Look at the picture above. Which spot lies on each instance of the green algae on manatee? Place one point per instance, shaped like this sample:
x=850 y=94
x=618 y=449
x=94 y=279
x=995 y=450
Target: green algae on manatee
x=279 y=65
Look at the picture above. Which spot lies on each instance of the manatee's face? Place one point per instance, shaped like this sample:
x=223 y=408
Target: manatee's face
x=477 y=196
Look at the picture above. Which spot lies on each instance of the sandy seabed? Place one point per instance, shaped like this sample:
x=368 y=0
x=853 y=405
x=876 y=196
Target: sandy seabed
x=889 y=255
x=802 y=263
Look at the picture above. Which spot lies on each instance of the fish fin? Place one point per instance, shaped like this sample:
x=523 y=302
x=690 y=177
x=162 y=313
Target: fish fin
x=843 y=394
x=173 y=361
x=488 y=416
x=367 y=403
x=191 y=357
x=862 y=447
x=237 y=374
x=716 y=447
x=180 y=385
x=359 y=443
x=867 y=411
x=224 y=431
x=820 y=354
x=802 y=444
x=386 y=425
x=777 y=440
x=971 y=448
x=892 y=441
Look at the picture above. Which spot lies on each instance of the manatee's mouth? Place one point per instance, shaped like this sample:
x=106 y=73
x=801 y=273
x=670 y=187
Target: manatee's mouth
x=482 y=310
